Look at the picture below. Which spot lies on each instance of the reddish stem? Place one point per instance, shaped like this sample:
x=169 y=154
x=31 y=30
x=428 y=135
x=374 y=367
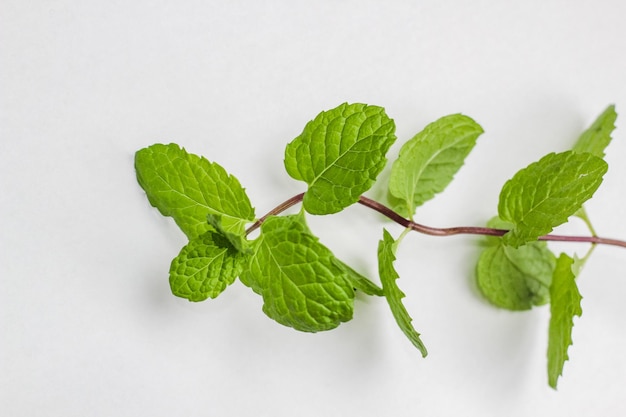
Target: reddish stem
x=435 y=231
x=276 y=210
x=470 y=230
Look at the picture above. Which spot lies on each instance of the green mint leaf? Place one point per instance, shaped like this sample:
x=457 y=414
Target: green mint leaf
x=598 y=136
x=359 y=281
x=300 y=284
x=231 y=230
x=205 y=267
x=188 y=188
x=594 y=140
x=393 y=294
x=515 y=278
x=547 y=192
x=339 y=154
x=564 y=306
x=254 y=280
x=428 y=162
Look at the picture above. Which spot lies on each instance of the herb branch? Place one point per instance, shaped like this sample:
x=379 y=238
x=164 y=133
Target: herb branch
x=438 y=231
x=339 y=155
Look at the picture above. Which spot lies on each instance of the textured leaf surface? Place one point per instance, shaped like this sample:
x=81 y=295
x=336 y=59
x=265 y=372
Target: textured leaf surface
x=595 y=139
x=233 y=232
x=515 y=278
x=564 y=306
x=205 y=267
x=546 y=193
x=188 y=188
x=428 y=162
x=301 y=285
x=339 y=155
x=393 y=294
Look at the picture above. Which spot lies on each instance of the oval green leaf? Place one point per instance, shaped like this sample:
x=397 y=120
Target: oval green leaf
x=547 y=192
x=428 y=162
x=205 y=267
x=339 y=154
x=188 y=187
x=301 y=285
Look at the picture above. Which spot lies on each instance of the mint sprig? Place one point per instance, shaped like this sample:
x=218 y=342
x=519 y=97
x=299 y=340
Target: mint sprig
x=339 y=156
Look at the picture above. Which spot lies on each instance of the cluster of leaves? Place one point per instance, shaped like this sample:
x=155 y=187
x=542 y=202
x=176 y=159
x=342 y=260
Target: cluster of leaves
x=517 y=271
x=339 y=155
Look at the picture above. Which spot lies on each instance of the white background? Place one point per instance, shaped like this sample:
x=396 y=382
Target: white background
x=88 y=324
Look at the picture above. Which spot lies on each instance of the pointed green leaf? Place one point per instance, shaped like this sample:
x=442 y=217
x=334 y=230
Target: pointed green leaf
x=428 y=162
x=188 y=188
x=393 y=294
x=359 y=281
x=339 y=155
x=598 y=136
x=564 y=306
x=515 y=278
x=594 y=140
x=301 y=285
x=205 y=267
x=546 y=193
